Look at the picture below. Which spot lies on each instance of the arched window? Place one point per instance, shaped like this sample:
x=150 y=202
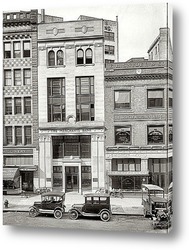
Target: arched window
x=51 y=58
x=80 y=57
x=88 y=56
x=59 y=57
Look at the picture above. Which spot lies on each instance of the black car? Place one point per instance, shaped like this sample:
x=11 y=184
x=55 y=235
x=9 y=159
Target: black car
x=51 y=203
x=96 y=204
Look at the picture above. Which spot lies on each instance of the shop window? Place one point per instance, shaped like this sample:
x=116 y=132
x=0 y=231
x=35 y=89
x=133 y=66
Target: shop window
x=80 y=56
x=89 y=56
x=7 y=50
x=86 y=179
x=123 y=135
x=127 y=164
x=122 y=99
x=170 y=133
x=17 y=105
x=8 y=106
x=155 y=134
x=17 y=77
x=170 y=98
x=27 y=135
x=51 y=58
x=57 y=176
x=109 y=36
x=7 y=78
x=109 y=49
x=27 y=76
x=26 y=49
x=8 y=134
x=155 y=98
x=59 y=57
x=18 y=135
x=27 y=105
x=16 y=49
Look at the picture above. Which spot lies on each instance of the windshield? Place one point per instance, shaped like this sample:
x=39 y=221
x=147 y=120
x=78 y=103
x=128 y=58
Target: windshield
x=161 y=205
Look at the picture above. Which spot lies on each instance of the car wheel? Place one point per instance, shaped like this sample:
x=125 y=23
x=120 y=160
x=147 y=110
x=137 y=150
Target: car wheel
x=105 y=216
x=58 y=214
x=73 y=214
x=33 y=212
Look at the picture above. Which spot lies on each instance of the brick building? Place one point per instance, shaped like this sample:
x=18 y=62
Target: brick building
x=138 y=119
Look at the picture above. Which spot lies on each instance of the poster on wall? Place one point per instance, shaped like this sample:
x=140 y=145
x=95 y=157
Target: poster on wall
x=87 y=118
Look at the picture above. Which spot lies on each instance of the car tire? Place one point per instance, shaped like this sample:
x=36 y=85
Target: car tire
x=58 y=214
x=105 y=216
x=73 y=214
x=33 y=212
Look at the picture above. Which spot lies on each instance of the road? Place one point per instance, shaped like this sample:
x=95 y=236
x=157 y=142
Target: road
x=117 y=222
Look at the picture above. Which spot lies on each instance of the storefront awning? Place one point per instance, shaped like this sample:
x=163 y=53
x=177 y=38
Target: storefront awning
x=10 y=173
x=28 y=168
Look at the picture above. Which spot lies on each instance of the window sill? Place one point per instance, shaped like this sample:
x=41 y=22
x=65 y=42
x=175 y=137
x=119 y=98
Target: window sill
x=84 y=65
x=56 y=66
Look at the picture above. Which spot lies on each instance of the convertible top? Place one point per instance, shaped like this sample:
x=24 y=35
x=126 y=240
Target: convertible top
x=53 y=194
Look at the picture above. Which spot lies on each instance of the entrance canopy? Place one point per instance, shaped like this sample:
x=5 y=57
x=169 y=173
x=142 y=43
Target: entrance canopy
x=10 y=174
x=28 y=168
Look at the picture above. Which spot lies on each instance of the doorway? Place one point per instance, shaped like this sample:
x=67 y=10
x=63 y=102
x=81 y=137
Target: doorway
x=27 y=180
x=71 y=179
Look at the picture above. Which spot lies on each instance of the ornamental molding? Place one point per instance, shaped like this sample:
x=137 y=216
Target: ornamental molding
x=126 y=117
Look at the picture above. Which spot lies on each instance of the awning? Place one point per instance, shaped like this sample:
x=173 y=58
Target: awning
x=28 y=168
x=10 y=173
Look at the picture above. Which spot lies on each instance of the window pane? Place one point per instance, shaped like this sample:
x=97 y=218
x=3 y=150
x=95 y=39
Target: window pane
x=80 y=56
x=8 y=106
x=155 y=98
x=18 y=135
x=26 y=52
x=18 y=107
x=7 y=78
x=88 y=54
x=27 y=131
x=17 y=77
x=17 y=52
x=60 y=57
x=122 y=135
x=27 y=105
x=155 y=134
x=8 y=131
x=7 y=50
x=122 y=99
x=51 y=58
x=27 y=76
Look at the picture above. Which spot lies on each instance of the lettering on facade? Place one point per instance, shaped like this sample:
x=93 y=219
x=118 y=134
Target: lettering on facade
x=17 y=151
x=123 y=117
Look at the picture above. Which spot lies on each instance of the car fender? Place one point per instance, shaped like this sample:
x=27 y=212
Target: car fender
x=105 y=209
x=33 y=207
x=72 y=209
x=59 y=208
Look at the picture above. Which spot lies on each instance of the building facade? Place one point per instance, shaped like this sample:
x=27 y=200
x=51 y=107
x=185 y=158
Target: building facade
x=138 y=120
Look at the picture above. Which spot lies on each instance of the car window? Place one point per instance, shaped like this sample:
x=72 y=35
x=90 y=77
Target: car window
x=88 y=200
x=95 y=200
x=103 y=200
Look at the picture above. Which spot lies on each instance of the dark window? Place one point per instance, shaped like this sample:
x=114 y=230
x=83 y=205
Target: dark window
x=16 y=50
x=86 y=180
x=7 y=50
x=122 y=99
x=109 y=49
x=155 y=98
x=27 y=76
x=7 y=78
x=85 y=98
x=27 y=135
x=17 y=77
x=8 y=106
x=170 y=98
x=51 y=58
x=60 y=57
x=56 y=99
x=27 y=105
x=155 y=134
x=89 y=56
x=26 y=49
x=8 y=134
x=17 y=105
x=170 y=133
x=80 y=56
x=18 y=135
x=128 y=164
x=123 y=135
x=109 y=36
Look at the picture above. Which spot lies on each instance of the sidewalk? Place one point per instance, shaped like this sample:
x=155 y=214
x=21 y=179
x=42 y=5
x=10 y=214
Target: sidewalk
x=127 y=206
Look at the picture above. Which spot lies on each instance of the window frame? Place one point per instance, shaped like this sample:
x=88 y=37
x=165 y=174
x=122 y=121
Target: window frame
x=17 y=52
x=129 y=104
x=27 y=78
x=18 y=78
x=27 y=52
x=109 y=36
x=109 y=49
x=27 y=108
x=8 y=106
x=154 y=106
x=17 y=106
x=27 y=137
x=80 y=59
x=7 y=53
x=18 y=136
x=161 y=141
x=7 y=79
x=51 y=61
x=123 y=127
x=8 y=138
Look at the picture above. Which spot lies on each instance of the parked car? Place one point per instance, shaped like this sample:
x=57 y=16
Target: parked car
x=96 y=205
x=51 y=203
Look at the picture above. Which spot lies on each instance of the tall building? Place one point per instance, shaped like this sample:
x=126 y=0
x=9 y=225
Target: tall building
x=138 y=119
x=71 y=56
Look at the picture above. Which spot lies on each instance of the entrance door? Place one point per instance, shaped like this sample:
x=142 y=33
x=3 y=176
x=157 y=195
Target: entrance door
x=71 y=179
x=27 y=180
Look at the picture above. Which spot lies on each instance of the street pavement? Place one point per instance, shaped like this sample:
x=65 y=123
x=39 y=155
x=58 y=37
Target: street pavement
x=131 y=205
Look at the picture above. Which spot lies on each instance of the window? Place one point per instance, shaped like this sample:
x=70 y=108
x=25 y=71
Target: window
x=51 y=58
x=8 y=106
x=18 y=135
x=170 y=98
x=7 y=78
x=155 y=98
x=80 y=56
x=155 y=134
x=56 y=99
x=27 y=105
x=7 y=50
x=122 y=99
x=109 y=49
x=27 y=135
x=26 y=49
x=170 y=133
x=88 y=55
x=8 y=134
x=108 y=61
x=27 y=76
x=128 y=164
x=17 y=105
x=16 y=50
x=109 y=36
x=17 y=77
x=123 y=135
x=86 y=179
x=59 y=57
x=85 y=98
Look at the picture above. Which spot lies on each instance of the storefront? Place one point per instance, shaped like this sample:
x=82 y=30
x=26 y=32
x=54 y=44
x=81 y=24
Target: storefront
x=11 y=181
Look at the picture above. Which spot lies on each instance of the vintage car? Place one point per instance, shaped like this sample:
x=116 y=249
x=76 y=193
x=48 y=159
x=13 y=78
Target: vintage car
x=153 y=200
x=51 y=203
x=96 y=205
x=162 y=220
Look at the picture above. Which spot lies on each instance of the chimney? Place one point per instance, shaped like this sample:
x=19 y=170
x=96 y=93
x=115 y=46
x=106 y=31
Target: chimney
x=43 y=15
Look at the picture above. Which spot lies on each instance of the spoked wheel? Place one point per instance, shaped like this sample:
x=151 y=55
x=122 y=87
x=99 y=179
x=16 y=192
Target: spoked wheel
x=58 y=214
x=33 y=212
x=105 y=216
x=73 y=214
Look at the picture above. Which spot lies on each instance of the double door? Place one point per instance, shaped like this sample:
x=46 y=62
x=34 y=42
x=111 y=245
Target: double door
x=71 y=177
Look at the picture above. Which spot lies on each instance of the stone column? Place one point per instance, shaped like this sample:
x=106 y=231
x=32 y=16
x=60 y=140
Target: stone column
x=94 y=162
x=42 y=163
x=48 y=161
x=101 y=160
x=63 y=178
x=79 y=176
